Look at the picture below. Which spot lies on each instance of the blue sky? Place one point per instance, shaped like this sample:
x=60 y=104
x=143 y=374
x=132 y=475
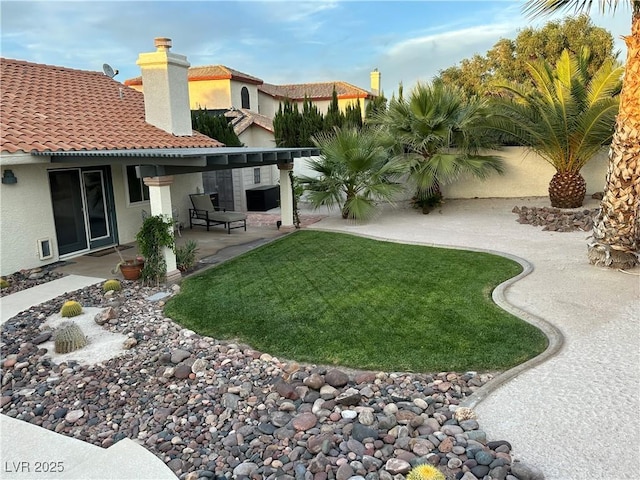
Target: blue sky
x=278 y=41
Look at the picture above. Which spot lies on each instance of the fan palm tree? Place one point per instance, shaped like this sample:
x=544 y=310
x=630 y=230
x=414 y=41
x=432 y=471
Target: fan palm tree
x=439 y=135
x=566 y=119
x=616 y=231
x=353 y=172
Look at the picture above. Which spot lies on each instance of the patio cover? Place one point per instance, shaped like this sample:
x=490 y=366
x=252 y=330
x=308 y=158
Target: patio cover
x=156 y=162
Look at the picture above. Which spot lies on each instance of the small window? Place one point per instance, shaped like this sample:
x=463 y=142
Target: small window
x=244 y=97
x=256 y=175
x=138 y=191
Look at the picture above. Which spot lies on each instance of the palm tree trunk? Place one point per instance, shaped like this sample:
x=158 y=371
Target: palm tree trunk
x=616 y=231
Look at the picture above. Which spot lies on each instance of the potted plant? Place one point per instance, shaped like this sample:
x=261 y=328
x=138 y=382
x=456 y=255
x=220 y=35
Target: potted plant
x=155 y=234
x=131 y=269
x=186 y=255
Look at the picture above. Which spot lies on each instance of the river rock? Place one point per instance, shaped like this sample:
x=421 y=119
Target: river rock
x=179 y=355
x=526 y=472
x=336 y=378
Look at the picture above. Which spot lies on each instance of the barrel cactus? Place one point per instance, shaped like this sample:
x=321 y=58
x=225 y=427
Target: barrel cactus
x=69 y=337
x=463 y=413
x=71 y=308
x=425 y=472
x=4 y=283
x=112 y=285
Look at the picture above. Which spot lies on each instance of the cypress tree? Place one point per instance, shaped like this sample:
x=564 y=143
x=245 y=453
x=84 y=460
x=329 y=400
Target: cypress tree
x=312 y=122
x=293 y=128
x=353 y=115
x=286 y=124
x=377 y=105
x=215 y=126
x=334 y=117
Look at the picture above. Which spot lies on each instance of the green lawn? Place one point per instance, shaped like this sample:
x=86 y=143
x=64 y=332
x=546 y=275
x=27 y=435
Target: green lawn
x=329 y=298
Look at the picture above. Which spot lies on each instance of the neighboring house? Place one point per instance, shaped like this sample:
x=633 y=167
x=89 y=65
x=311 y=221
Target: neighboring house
x=82 y=155
x=253 y=104
x=217 y=87
x=270 y=96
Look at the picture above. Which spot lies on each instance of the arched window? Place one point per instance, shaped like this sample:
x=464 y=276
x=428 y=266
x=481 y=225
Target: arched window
x=244 y=96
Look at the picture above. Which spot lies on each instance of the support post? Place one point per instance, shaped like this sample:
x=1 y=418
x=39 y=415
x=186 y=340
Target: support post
x=286 y=195
x=160 y=202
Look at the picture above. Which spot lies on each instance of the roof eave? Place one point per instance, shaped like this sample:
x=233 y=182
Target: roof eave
x=174 y=161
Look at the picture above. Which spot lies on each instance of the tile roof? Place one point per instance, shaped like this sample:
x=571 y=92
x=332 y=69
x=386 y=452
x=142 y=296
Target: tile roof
x=241 y=119
x=49 y=108
x=315 y=91
x=209 y=72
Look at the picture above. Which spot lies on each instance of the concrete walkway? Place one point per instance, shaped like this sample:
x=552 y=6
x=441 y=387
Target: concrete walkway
x=15 y=303
x=575 y=415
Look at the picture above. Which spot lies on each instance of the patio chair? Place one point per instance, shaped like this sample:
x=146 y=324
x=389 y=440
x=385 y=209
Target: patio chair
x=204 y=211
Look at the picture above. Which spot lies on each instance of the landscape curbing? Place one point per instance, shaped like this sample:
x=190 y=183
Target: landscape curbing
x=553 y=334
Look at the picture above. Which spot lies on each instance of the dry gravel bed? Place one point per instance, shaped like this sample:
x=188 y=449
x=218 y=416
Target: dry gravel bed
x=215 y=409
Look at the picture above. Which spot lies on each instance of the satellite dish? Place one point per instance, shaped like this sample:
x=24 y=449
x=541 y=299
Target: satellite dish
x=108 y=71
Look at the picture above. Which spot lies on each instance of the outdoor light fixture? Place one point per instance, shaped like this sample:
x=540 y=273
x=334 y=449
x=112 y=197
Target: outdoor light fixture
x=8 y=177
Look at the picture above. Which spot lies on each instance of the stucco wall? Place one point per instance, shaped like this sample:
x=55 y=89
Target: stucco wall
x=27 y=214
x=267 y=106
x=129 y=216
x=255 y=136
x=526 y=175
x=210 y=94
x=236 y=95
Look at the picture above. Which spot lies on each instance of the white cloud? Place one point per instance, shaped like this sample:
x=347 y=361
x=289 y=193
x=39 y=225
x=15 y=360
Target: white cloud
x=422 y=57
x=295 y=12
x=281 y=42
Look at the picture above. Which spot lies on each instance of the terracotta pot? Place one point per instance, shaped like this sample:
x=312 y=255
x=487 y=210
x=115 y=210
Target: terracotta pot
x=131 y=269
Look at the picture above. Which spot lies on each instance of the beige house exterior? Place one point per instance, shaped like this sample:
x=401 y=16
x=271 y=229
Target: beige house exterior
x=252 y=104
x=219 y=87
x=83 y=155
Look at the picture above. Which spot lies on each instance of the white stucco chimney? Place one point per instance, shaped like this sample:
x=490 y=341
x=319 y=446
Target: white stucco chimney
x=375 y=82
x=166 y=89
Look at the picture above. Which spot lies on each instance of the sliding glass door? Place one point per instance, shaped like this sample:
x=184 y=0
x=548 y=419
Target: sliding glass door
x=82 y=202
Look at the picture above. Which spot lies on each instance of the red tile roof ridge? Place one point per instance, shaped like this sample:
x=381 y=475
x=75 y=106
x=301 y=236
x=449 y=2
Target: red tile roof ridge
x=57 y=67
x=208 y=72
x=316 y=90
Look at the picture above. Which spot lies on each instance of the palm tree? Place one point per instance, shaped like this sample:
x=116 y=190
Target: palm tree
x=440 y=135
x=616 y=231
x=353 y=172
x=566 y=119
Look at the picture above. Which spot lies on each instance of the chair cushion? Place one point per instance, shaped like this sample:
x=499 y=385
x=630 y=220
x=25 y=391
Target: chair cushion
x=201 y=202
x=227 y=216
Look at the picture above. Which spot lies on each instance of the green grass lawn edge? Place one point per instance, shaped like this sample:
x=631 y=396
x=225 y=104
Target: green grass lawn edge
x=339 y=299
